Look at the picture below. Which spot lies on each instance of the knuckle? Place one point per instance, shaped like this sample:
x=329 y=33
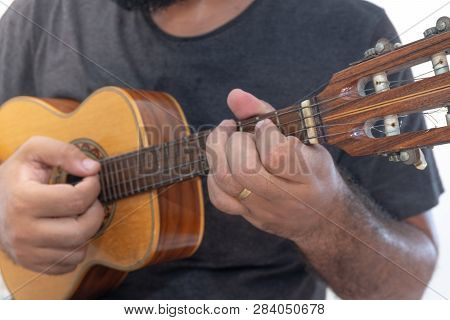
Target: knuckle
x=77 y=204
x=86 y=232
x=35 y=140
x=277 y=156
x=17 y=238
x=98 y=215
x=82 y=255
x=21 y=256
x=224 y=179
x=15 y=205
x=70 y=150
x=59 y=270
x=32 y=143
x=222 y=204
x=78 y=237
x=68 y=269
x=211 y=138
x=77 y=257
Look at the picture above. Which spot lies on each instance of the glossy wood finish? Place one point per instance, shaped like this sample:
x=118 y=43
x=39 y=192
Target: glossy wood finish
x=344 y=112
x=179 y=202
x=146 y=228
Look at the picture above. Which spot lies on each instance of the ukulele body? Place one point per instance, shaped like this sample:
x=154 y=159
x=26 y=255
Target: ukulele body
x=147 y=228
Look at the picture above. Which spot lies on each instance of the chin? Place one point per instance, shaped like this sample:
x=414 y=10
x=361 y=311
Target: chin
x=149 y=4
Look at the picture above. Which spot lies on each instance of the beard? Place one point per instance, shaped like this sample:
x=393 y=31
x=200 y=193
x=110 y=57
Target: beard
x=152 y=5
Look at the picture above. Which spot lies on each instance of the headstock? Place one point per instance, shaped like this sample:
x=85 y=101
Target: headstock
x=362 y=98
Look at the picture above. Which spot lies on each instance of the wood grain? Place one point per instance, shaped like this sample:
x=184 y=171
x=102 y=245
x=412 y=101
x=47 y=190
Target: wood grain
x=344 y=111
x=144 y=228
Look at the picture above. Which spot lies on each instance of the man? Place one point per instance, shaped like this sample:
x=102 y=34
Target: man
x=275 y=234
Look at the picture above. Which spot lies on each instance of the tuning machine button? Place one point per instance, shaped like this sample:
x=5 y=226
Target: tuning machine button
x=413 y=157
x=381 y=47
x=430 y=32
x=442 y=25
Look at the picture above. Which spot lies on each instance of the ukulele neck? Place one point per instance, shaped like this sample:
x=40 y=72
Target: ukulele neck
x=183 y=159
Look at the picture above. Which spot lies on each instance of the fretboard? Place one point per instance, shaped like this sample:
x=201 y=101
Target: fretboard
x=179 y=160
x=154 y=167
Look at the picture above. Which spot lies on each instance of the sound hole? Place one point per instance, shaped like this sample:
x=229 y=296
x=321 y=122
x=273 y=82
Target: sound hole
x=73 y=180
x=94 y=151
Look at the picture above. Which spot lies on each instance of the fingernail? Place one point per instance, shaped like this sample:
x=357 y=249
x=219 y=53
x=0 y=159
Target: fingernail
x=89 y=164
x=262 y=123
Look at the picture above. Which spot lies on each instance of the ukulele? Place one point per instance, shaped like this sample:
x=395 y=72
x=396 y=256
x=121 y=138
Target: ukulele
x=151 y=164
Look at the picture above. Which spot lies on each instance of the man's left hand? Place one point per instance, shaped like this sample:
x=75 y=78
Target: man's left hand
x=277 y=183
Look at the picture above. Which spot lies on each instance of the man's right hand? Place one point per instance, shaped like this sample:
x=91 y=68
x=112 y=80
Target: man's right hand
x=43 y=227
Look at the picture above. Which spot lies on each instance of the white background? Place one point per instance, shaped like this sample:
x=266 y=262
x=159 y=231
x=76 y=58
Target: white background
x=405 y=14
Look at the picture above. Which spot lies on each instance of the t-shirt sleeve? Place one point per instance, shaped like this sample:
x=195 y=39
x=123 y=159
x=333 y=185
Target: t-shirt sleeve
x=16 y=56
x=401 y=190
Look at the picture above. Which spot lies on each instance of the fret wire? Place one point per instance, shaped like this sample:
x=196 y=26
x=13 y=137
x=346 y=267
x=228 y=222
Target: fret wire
x=152 y=177
x=301 y=117
x=101 y=177
x=277 y=119
x=158 y=185
x=120 y=165
x=108 y=184
x=203 y=168
x=159 y=158
x=114 y=185
x=200 y=151
x=177 y=154
x=128 y=166
x=136 y=172
x=116 y=174
x=184 y=164
x=166 y=160
x=151 y=156
x=138 y=175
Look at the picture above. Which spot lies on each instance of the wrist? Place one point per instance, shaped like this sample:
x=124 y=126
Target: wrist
x=330 y=217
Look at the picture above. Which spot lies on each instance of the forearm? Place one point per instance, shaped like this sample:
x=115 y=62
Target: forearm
x=363 y=254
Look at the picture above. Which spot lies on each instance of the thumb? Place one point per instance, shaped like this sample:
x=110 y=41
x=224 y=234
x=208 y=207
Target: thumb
x=245 y=105
x=54 y=153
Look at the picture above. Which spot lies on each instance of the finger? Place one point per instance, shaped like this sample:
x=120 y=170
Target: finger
x=54 y=269
x=280 y=155
x=245 y=105
x=55 y=153
x=56 y=257
x=247 y=169
x=69 y=233
x=62 y=200
x=217 y=159
x=222 y=200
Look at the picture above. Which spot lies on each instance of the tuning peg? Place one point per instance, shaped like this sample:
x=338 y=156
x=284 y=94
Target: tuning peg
x=381 y=47
x=413 y=157
x=430 y=32
x=439 y=60
x=442 y=25
x=447 y=116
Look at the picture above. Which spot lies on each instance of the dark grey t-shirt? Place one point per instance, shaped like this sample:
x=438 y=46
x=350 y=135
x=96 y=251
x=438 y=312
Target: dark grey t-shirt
x=278 y=50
